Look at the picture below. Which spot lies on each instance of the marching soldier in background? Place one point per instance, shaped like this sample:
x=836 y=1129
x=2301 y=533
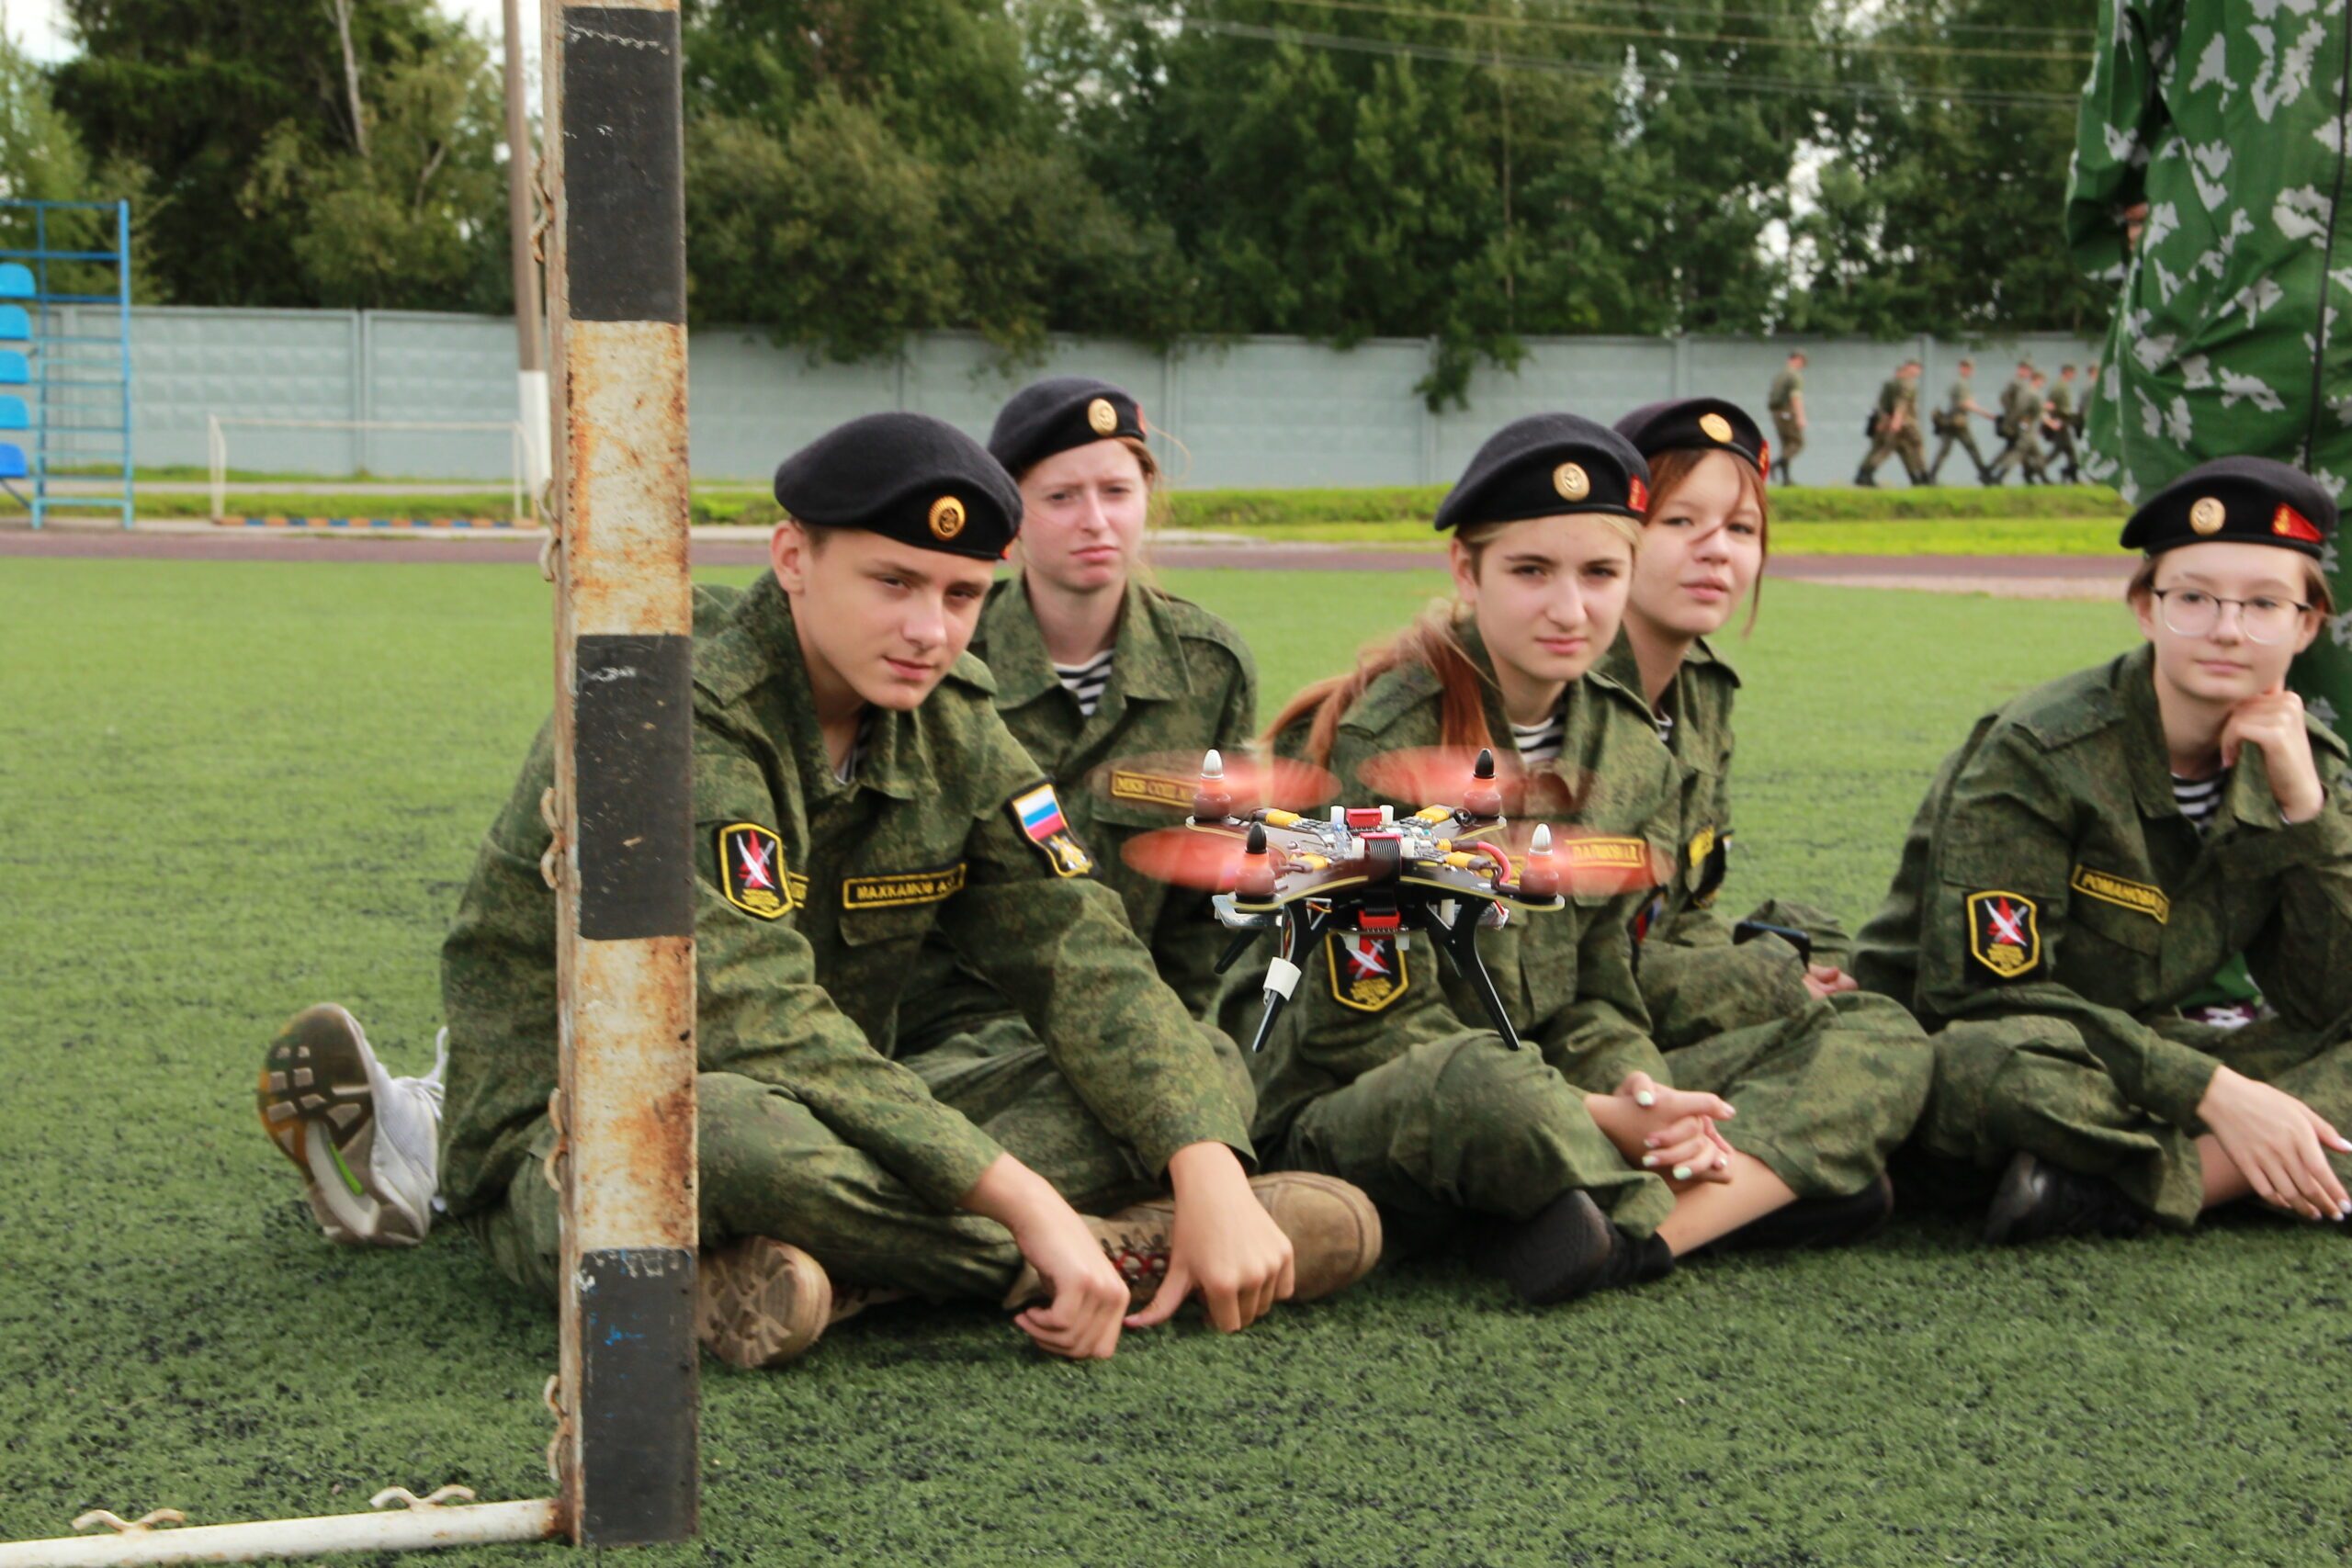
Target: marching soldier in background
x=1894 y=428
x=2060 y=418
x=1786 y=404
x=1951 y=423
x=2020 y=419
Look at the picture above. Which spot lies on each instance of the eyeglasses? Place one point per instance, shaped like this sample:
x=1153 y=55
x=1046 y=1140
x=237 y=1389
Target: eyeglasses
x=2192 y=612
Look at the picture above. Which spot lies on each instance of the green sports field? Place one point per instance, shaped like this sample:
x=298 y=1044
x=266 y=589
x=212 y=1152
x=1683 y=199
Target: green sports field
x=227 y=791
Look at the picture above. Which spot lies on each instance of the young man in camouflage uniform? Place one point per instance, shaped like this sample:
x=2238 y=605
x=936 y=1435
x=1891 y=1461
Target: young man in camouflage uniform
x=1895 y=428
x=855 y=793
x=2059 y=418
x=1786 y=404
x=2020 y=426
x=1952 y=426
x=2096 y=848
x=2208 y=187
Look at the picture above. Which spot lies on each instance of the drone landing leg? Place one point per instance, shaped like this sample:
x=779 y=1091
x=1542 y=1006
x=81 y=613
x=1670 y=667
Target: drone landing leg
x=1299 y=932
x=1460 y=941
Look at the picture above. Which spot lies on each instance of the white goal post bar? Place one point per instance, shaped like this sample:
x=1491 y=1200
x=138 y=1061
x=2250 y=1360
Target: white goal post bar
x=519 y=458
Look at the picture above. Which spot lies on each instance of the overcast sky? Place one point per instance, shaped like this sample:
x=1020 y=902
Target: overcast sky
x=38 y=25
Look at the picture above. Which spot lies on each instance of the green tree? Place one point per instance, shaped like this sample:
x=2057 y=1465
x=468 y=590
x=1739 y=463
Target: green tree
x=300 y=153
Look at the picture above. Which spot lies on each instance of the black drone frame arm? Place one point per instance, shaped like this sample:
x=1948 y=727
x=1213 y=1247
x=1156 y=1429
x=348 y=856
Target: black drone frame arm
x=1301 y=930
x=1459 y=940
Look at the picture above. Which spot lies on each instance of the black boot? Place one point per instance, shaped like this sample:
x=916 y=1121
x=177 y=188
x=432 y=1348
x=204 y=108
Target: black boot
x=1821 y=1221
x=2038 y=1198
x=1569 y=1249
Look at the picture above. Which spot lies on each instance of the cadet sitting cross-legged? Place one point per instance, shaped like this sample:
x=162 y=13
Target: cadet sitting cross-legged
x=2095 y=849
x=1114 y=687
x=1703 y=541
x=855 y=794
x=1588 y=1157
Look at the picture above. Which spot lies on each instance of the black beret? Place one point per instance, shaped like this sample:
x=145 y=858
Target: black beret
x=1058 y=413
x=1545 y=465
x=908 y=476
x=1695 y=425
x=2252 y=500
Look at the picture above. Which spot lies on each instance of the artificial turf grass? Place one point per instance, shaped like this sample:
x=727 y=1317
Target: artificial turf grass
x=227 y=791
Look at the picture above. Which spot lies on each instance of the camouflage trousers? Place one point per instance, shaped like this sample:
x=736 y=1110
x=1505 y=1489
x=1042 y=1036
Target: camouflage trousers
x=2003 y=1084
x=769 y=1166
x=1463 y=1125
x=2024 y=448
x=1961 y=434
x=1788 y=440
x=1904 y=443
x=1696 y=985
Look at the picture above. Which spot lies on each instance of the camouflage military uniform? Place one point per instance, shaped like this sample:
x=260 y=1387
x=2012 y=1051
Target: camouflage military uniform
x=1897 y=396
x=1384 y=1070
x=1181 y=681
x=2020 y=421
x=2229 y=121
x=814 y=898
x=2058 y=421
x=1695 y=983
x=1788 y=436
x=2053 y=906
x=1955 y=426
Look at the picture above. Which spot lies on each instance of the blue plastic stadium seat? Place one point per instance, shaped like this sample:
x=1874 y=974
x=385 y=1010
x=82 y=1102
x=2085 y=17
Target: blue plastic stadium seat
x=14 y=372
x=13 y=415
x=12 y=462
x=15 y=281
x=15 y=325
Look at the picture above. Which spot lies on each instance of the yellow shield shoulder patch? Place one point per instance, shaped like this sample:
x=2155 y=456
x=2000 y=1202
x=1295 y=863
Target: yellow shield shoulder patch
x=1368 y=973
x=2003 y=934
x=752 y=872
x=2122 y=892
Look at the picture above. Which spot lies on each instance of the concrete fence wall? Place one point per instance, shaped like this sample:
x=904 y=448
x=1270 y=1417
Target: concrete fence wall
x=1257 y=412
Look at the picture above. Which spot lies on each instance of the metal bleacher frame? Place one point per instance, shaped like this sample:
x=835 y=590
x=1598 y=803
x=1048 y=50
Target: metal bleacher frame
x=75 y=383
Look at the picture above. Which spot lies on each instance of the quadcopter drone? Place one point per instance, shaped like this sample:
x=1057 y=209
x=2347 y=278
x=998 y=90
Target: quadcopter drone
x=1375 y=878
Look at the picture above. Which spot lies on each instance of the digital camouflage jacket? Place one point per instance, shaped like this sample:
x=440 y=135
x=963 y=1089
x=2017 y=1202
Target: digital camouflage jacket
x=2050 y=873
x=1181 y=681
x=1566 y=979
x=2229 y=119
x=814 y=898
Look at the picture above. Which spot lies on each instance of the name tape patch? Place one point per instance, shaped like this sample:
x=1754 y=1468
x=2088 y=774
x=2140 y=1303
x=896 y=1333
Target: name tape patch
x=2122 y=892
x=894 y=889
x=1156 y=789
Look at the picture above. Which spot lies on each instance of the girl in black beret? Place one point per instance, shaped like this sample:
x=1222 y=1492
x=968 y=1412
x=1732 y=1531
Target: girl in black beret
x=1704 y=539
x=1587 y=1159
x=2100 y=846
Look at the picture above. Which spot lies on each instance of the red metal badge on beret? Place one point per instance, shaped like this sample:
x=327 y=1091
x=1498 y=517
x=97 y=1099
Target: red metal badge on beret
x=2293 y=525
x=1638 y=496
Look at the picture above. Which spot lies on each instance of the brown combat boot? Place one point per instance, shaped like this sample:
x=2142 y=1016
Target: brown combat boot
x=761 y=1302
x=1334 y=1233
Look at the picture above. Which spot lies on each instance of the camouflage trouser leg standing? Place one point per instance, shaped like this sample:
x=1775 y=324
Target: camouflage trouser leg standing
x=1913 y=449
x=1464 y=1125
x=1788 y=441
x=770 y=1167
x=1697 y=990
x=1822 y=1097
x=2032 y=1084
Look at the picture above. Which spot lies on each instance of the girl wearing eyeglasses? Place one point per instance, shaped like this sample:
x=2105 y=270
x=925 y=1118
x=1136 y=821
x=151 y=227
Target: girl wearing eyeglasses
x=2096 y=848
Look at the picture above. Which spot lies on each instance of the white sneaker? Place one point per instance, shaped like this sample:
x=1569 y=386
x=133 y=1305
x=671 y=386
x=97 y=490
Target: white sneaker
x=368 y=1144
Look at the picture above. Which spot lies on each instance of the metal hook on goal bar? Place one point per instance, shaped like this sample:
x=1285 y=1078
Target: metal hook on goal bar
x=433 y=1499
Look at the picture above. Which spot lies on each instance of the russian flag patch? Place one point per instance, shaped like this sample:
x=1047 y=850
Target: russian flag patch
x=1038 y=814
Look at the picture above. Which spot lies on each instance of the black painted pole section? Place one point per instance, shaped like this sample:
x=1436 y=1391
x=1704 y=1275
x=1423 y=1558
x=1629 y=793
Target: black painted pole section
x=627 y=1439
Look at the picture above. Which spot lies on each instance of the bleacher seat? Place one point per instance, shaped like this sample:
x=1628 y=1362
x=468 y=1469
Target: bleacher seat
x=12 y=462
x=13 y=415
x=15 y=325
x=14 y=372
x=15 y=281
